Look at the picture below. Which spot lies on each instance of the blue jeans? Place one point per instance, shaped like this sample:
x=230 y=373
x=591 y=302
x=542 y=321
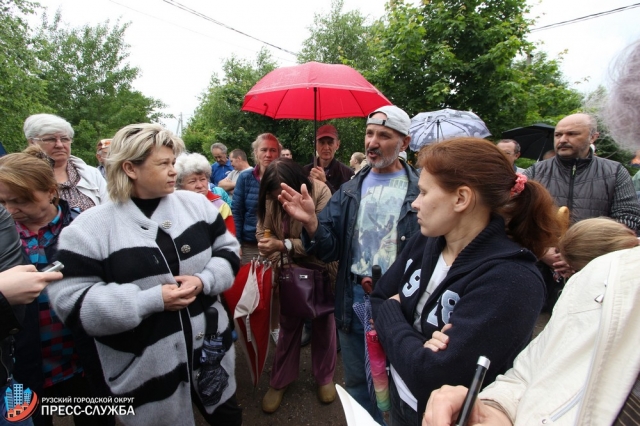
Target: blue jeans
x=3 y=410
x=353 y=347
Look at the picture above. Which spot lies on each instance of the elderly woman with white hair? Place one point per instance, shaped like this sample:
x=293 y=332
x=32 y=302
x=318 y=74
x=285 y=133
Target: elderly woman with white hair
x=143 y=276
x=81 y=185
x=194 y=173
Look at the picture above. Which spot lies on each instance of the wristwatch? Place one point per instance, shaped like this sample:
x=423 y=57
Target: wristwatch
x=288 y=245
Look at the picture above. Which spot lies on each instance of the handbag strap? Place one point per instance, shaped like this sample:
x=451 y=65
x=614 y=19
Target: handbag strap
x=285 y=256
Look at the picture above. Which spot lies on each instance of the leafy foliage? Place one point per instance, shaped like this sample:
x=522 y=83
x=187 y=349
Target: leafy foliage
x=338 y=38
x=335 y=38
x=89 y=82
x=462 y=54
x=218 y=117
x=22 y=92
x=81 y=74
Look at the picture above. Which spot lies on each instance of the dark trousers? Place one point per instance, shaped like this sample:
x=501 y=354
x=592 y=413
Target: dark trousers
x=402 y=414
x=227 y=414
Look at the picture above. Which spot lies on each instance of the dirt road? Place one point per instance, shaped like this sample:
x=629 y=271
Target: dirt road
x=300 y=405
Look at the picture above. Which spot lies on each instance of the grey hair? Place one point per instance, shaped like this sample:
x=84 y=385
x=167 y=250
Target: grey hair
x=135 y=143
x=593 y=124
x=622 y=110
x=189 y=164
x=222 y=147
x=44 y=124
x=255 y=145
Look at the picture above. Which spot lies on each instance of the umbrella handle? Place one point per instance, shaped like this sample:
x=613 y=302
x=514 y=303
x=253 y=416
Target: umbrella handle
x=367 y=284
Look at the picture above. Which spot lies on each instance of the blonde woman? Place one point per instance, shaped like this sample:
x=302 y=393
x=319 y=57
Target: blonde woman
x=591 y=238
x=143 y=276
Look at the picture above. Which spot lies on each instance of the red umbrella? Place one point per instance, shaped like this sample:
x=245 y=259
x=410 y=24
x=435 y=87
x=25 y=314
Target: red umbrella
x=249 y=300
x=314 y=91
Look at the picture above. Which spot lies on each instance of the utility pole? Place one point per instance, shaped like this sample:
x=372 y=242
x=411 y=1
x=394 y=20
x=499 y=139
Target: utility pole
x=179 y=127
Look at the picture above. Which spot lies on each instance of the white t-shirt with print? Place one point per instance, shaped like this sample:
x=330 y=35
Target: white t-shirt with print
x=375 y=238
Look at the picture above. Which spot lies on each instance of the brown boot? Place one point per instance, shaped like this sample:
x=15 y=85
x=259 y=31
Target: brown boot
x=327 y=393
x=272 y=399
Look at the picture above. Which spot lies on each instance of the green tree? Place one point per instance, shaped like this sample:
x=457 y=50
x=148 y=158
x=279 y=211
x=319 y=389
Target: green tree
x=89 y=81
x=218 y=117
x=22 y=92
x=338 y=38
x=546 y=96
x=463 y=54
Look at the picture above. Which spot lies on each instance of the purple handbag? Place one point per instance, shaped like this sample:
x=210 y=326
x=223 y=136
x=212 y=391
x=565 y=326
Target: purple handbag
x=305 y=290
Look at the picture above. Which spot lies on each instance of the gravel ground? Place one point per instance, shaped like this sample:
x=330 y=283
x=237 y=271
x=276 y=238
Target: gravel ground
x=300 y=405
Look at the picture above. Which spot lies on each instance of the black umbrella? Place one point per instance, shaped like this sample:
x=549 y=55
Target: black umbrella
x=534 y=140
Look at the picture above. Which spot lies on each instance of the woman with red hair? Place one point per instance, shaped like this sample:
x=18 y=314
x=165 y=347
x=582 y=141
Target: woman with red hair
x=471 y=269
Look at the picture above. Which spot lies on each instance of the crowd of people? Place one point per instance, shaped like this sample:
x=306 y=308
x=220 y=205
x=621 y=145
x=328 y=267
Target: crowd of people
x=471 y=249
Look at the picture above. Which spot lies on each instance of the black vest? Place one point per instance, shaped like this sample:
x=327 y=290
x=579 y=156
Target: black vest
x=586 y=186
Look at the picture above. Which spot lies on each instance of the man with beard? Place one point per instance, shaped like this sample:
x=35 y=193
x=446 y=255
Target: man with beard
x=589 y=186
x=381 y=193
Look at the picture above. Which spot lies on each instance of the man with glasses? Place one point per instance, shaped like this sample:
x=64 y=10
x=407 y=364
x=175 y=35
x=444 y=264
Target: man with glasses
x=511 y=149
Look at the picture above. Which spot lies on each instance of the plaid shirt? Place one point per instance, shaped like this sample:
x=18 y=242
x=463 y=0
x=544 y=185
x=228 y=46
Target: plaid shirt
x=59 y=360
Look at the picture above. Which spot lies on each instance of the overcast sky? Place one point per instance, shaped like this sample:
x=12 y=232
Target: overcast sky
x=178 y=52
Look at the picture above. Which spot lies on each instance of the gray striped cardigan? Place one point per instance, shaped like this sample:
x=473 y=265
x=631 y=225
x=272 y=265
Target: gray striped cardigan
x=111 y=290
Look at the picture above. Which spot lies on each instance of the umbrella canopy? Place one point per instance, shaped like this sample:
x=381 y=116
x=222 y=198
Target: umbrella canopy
x=314 y=91
x=429 y=127
x=534 y=140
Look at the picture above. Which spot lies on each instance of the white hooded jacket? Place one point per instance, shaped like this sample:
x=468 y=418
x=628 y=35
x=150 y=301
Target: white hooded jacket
x=581 y=368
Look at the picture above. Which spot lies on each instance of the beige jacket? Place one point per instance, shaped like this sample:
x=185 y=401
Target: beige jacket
x=581 y=368
x=273 y=221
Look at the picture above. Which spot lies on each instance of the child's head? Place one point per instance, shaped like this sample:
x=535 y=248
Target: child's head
x=591 y=238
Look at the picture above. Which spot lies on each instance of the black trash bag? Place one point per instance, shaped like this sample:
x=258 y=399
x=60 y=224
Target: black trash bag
x=212 y=379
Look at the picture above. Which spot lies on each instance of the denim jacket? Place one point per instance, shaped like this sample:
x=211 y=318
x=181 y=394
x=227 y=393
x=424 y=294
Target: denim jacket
x=334 y=237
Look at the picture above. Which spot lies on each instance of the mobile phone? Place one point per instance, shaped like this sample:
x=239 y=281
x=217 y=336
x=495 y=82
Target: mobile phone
x=54 y=267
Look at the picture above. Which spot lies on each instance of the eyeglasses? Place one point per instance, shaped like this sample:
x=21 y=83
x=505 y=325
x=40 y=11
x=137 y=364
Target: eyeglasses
x=52 y=140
